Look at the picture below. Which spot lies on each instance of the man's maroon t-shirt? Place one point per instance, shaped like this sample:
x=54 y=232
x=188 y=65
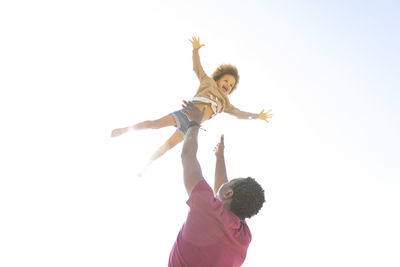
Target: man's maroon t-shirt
x=211 y=235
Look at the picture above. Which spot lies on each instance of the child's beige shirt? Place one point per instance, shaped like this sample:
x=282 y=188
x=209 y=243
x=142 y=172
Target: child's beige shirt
x=210 y=93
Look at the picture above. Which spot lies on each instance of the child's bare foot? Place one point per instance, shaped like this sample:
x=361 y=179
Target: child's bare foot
x=119 y=131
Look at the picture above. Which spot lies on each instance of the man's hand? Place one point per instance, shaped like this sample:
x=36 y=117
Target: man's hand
x=196 y=43
x=219 y=148
x=192 y=112
x=264 y=115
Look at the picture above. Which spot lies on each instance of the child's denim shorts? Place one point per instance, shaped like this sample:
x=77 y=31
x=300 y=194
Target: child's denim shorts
x=182 y=121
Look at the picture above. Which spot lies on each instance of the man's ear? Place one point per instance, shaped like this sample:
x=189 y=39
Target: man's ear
x=228 y=194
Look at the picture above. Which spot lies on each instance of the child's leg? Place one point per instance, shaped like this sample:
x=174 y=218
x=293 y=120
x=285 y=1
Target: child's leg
x=156 y=124
x=150 y=124
x=175 y=139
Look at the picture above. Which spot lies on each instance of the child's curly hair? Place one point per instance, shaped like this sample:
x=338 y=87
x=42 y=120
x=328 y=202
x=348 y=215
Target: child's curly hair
x=226 y=69
x=248 y=198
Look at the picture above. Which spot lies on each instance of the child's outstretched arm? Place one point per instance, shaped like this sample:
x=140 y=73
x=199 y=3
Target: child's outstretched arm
x=247 y=115
x=198 y=69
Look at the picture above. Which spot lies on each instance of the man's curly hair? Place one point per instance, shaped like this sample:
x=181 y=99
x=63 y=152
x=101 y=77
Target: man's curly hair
x=248 y=198
x=226 y=69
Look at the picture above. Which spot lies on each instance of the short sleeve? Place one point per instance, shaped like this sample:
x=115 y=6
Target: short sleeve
x=201 y=195
x=202 y=202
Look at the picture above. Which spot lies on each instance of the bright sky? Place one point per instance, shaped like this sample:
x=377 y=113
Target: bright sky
x=71 y=71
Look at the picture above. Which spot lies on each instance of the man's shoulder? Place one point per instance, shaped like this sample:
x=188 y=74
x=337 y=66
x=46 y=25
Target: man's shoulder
x=201 y=194
x=202 y=187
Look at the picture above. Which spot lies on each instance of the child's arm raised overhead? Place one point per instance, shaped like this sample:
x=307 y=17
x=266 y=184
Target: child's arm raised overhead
x=247 y=115
x=198 y=69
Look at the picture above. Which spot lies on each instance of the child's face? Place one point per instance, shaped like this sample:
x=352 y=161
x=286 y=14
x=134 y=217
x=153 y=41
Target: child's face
x=226 y=83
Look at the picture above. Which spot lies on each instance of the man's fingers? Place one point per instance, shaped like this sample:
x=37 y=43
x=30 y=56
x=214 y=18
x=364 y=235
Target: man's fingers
x=187 y=103
x=184 y=105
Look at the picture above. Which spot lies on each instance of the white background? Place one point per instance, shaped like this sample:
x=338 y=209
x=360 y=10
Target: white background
x=71 y=71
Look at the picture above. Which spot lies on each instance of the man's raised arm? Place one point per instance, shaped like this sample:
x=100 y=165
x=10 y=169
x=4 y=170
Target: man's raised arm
x=220 y=168
x=191 y=168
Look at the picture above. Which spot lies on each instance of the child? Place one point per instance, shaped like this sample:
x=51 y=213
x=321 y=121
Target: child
x=212 y=96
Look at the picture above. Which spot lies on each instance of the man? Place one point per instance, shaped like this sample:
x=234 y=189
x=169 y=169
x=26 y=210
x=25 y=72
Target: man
x=215 y=232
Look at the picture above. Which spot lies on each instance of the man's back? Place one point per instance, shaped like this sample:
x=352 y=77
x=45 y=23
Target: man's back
x=211 y=235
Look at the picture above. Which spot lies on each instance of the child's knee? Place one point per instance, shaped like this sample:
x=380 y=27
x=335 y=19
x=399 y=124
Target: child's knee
x=168 y=145
x=171 y=143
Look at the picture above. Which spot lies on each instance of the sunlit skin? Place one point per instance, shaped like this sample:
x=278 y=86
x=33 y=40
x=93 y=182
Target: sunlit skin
x=226 y=83
x=222 y=186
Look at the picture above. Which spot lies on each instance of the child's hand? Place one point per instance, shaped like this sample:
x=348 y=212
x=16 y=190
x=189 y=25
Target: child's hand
x=264 y=115
x=196 y=43
x=219 y=148
x=193 y=112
